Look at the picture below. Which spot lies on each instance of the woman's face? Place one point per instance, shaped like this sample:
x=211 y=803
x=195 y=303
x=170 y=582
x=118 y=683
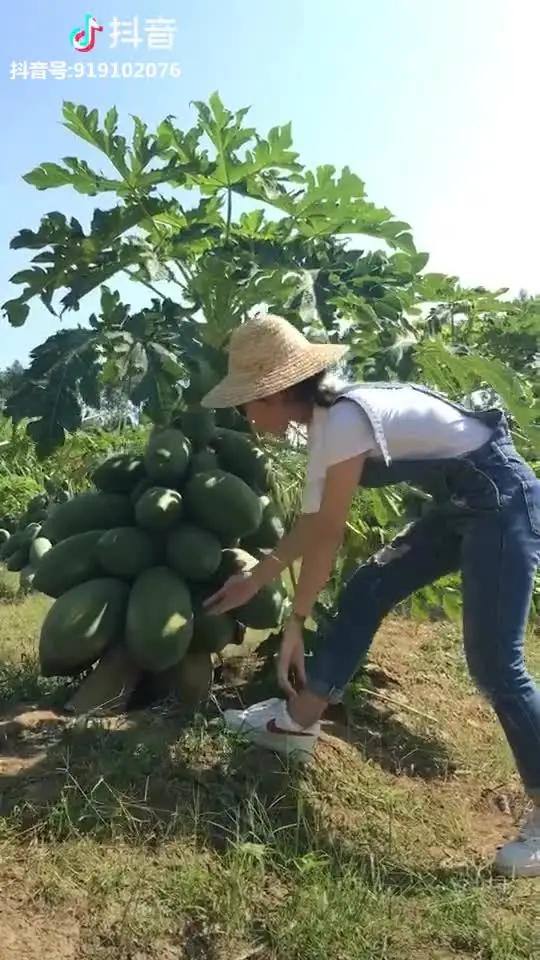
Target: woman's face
x=270 y=415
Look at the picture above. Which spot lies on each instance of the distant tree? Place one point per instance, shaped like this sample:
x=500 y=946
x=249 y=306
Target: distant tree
x=115 y=410
x=10 y=380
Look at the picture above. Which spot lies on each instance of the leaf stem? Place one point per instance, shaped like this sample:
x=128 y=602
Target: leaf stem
x=145 y=283
x=229 y=215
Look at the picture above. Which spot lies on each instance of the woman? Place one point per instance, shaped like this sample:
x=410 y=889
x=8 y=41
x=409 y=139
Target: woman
x=485 y=522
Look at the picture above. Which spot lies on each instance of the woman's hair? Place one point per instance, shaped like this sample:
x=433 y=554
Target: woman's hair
x=316 y=391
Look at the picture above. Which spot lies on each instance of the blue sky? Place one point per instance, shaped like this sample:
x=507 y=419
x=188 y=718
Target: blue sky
x=433 y=104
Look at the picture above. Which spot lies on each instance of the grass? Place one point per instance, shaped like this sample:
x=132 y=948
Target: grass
x=138 y=837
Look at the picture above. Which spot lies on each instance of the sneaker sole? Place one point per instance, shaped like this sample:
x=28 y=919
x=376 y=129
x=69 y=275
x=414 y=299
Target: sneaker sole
x=269 y=741
x=511 y=873
x=282 y=745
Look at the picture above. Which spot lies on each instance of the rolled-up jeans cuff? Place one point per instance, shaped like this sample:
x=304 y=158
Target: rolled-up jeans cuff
x=325 y=690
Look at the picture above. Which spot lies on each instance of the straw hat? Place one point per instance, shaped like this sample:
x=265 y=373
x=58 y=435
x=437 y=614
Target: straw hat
x=267 y=354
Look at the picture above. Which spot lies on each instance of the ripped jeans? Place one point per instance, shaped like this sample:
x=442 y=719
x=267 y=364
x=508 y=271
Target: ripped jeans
x=496 y=546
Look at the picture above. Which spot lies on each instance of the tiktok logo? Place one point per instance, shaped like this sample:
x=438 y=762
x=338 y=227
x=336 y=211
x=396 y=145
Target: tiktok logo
x=84 y=38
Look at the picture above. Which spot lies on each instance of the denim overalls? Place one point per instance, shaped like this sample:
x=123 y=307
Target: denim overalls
x=485 y=522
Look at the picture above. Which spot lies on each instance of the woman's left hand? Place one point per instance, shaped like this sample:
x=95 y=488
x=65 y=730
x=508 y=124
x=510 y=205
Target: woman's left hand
x=291 y=655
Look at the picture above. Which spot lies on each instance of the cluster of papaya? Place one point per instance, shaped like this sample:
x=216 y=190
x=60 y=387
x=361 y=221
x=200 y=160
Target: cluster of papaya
x=131 y=562
x=21 y=544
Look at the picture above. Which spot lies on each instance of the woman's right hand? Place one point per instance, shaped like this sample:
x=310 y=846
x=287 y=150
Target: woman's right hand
x=235 y=592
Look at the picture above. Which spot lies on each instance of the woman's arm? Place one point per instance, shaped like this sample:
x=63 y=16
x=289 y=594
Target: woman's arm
x=289 y=549
x=316 y=537
x=327 y=532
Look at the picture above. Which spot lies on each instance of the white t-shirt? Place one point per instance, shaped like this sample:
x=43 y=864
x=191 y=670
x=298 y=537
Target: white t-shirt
x=416 y=426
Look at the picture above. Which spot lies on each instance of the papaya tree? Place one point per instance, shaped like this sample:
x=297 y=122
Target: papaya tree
x=214 y=221
x=246 y=224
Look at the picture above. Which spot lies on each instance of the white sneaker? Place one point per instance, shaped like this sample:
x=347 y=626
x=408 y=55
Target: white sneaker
x=269 y=725
x=521 y=857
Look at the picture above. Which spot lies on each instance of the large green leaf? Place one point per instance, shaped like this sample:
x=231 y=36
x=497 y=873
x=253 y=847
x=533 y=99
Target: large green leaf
x=76 y=261
x=226 y=132
x=62 y=378
x=75 y=173
x=471 y=372
x=84 y=123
